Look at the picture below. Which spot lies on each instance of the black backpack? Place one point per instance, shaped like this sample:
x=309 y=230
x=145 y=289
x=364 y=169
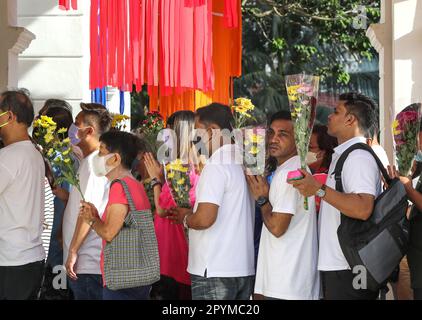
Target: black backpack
x=381 y=242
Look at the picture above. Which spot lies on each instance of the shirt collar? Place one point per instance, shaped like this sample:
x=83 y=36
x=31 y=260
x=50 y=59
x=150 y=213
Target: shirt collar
x=288 y=162
x=345 y=145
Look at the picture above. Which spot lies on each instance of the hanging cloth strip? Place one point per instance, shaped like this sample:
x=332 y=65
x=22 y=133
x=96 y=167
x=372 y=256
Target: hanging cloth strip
x=227 y=62
x=68 y=4
x=185 y=54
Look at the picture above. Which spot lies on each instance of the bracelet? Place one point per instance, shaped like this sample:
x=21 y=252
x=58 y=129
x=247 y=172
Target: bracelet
x=155 y=182
x=92 y=222
x=185 y=221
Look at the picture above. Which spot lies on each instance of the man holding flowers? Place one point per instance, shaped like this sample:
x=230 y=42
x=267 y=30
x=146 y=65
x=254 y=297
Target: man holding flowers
x=221 y=247
x=288 y=249
x=352 y=118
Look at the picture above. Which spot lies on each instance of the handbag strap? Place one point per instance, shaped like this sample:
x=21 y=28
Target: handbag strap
x=127 y=193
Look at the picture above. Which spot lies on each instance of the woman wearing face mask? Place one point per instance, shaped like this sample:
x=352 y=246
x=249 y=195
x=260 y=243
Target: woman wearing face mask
x=118 y=150
x=321 y=148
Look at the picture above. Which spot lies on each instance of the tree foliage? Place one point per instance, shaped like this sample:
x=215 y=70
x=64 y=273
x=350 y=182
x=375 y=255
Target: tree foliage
x=283 y=37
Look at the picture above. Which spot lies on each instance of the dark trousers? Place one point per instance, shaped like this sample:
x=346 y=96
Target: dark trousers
x=21 y=282
x=417 y=294
x=139 y=293
x=338 y=285
x=169 y=289
x=87 y=287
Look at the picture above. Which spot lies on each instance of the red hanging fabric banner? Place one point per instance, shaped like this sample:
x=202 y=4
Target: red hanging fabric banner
x=231 y=15
x=67 y=4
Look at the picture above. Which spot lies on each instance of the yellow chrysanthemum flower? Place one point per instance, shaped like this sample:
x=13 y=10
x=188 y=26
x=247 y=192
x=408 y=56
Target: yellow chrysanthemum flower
x=255 y=138
x=48 y=138
x=62 y=130
x=67 y=160
x=181 y=181
x=66 y=141
x=66 y=152
x=292 y=92
x=395 y=125
x=170 y=175
x=254 y=150
x=50 y=152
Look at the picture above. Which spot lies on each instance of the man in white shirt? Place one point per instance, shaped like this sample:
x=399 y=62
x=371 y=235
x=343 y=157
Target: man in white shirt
x=221 y=225
x=22 y=173
x=81 y=245
x=288 y=250
x=361 y=180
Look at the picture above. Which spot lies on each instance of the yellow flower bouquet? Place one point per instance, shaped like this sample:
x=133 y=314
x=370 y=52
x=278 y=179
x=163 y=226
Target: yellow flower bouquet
x=250 y=140
x=242 y=110
x=58 y=151
x=302 y=91
x=253 y=149
x=177 y=176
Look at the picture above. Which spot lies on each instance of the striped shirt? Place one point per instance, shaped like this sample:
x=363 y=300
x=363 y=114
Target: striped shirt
x=48 y=217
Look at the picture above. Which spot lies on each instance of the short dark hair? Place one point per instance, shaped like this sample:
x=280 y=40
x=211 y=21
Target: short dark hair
x=216 y=113
x=281 y=115
x=126 y=144
x=97 y=115
x=364 y=109
x=19 y=103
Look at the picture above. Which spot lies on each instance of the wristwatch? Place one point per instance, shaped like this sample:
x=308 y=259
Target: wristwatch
x=261 y=201
x=321 y=192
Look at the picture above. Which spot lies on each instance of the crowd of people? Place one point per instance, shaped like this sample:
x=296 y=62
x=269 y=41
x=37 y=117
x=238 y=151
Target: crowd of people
x=242 y=237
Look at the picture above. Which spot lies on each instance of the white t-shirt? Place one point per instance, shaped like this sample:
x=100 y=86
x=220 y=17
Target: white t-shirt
x=22 y=175
x=287 y=266
x=382 y=155
x=95 y=190
x=226 y=249
x=360 y=175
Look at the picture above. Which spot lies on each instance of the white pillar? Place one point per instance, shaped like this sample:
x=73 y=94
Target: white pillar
x=14 y=40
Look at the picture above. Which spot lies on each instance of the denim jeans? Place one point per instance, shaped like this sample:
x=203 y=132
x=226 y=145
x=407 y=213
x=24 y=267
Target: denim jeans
x=87 y=287
x=139 y=293
x=238 y=288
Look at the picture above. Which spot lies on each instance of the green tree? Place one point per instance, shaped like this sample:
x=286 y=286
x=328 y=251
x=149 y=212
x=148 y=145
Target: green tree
x=283 y=37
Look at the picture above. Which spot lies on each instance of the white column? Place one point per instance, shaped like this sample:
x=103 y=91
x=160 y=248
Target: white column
x=381 y=39
x=14 y=40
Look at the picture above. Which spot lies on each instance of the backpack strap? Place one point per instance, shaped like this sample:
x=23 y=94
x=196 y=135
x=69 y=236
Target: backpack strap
x=340 y=163
x=127 y=193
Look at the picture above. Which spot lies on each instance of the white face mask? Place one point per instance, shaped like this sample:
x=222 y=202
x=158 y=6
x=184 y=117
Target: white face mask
x=311 y=157
x=99 y=165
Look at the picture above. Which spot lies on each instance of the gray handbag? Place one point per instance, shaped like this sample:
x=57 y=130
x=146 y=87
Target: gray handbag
x=131 y=259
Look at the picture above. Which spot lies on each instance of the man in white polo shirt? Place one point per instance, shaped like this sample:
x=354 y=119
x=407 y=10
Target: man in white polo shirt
x=361 y=180
x=288 y=250
x=22 y=173
x=81 y=245
x=221 y=226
